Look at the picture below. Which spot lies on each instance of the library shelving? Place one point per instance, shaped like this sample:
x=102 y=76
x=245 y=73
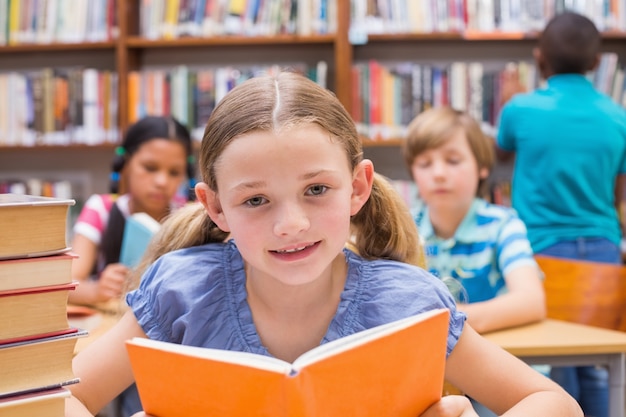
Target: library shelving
x=125 y=45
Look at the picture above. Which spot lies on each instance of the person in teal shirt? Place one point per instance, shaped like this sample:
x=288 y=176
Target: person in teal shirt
x=570 y=145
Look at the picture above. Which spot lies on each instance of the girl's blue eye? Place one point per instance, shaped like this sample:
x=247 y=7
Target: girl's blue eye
x=255 y=201
x=317 y=189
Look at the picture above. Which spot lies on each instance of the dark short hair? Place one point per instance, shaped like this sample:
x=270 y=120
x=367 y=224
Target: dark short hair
x=570 y=43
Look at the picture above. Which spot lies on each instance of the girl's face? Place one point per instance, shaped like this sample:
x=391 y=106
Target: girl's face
x=153 y=174
x=286 y=198
x=447 y=177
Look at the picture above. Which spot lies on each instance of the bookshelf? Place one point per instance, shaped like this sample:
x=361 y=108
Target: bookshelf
x=126 y=51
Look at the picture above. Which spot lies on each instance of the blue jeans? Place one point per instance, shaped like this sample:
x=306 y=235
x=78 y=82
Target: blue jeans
x=129 y=401
x=589 y=385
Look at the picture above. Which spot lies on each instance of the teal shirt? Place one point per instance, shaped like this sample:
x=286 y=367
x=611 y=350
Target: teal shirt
x=570 y=145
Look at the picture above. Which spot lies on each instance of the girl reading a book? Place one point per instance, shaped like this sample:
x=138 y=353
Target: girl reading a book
x=150 y=165
x=295 y=242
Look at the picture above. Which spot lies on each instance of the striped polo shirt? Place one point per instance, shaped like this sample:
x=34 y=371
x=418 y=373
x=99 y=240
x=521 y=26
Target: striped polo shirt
x=490 y=241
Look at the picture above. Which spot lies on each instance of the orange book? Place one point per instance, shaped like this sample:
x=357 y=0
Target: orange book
x=134 y=94
x=395 y=369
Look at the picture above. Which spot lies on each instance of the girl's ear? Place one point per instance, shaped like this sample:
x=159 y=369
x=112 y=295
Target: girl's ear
x=212 y=206
x=483 y=173
x=361 y=185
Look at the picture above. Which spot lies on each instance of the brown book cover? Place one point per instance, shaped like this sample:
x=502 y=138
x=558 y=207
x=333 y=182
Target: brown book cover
x=48 y=403
x=395 y=369
x=35 y=272
x=38 y=364
x=29 y=313
x=32 y=225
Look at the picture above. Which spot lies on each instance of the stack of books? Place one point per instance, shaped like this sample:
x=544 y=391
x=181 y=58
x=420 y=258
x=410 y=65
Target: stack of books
x=36 y=339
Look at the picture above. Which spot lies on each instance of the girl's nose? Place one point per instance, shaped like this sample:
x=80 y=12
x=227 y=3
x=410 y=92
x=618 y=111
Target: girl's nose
x=161 y=178
x=290 y=220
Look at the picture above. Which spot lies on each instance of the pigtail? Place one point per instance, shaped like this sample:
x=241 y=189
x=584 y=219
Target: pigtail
x=116 y=168
x=384 y=228
x=191 y=178
x=186 y=227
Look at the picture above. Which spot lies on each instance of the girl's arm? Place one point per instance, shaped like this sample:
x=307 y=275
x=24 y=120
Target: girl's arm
x=523 y=303
x=103 y=368
x=502 y=382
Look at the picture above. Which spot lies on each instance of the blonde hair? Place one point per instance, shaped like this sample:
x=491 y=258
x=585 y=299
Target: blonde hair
x=435 y=126
x=382 y=229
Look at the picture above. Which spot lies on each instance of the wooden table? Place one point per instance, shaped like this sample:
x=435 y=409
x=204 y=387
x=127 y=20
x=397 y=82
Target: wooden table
x=103 y=318
x=559 y=343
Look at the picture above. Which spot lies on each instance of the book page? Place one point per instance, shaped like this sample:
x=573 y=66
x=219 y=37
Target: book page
x=350 y=342
x=267 y=363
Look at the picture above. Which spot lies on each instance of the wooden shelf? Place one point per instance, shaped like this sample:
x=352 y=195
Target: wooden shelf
x=139 y=42
x=56 y=148
x=369 y=143
x=57 y=47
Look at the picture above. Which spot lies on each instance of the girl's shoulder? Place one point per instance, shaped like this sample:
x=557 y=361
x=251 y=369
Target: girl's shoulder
x=397 y=282
x=380 y=291
x=182 y=289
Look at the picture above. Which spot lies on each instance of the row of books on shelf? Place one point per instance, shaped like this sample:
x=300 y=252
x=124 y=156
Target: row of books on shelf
x=37 y=341
x=37 y=187
x=59 y=106
x=500 y=192
x=478 y=18
x=46 y=21
x=79 y=106
x=386 y=96
x=170 y=19
x=190 y=93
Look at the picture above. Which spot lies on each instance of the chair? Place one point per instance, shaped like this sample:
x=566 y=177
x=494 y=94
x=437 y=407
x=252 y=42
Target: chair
x=585 y=292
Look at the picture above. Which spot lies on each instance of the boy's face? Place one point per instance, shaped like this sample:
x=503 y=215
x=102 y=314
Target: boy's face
x=447 y=177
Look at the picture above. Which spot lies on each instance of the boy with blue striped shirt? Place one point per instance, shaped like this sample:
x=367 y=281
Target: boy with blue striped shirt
x=479 y=249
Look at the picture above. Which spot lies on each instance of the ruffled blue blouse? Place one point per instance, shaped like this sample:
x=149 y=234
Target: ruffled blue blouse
x=197 y=296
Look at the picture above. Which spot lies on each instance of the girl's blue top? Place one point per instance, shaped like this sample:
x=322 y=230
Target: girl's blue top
x=197 y=296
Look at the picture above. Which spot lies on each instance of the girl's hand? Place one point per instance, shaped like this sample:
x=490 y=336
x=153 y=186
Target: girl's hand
x=111 y=282
x=451 y=406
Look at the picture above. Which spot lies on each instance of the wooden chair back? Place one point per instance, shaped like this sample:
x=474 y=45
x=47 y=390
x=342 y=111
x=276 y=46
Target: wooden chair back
x=591 y=293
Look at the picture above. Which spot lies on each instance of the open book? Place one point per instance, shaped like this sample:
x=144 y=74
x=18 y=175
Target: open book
x=396 y=369
x=139 y=229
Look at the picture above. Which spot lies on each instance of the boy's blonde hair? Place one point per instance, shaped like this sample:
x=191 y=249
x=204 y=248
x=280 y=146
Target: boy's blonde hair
x=434 y=127
x=382 y=229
